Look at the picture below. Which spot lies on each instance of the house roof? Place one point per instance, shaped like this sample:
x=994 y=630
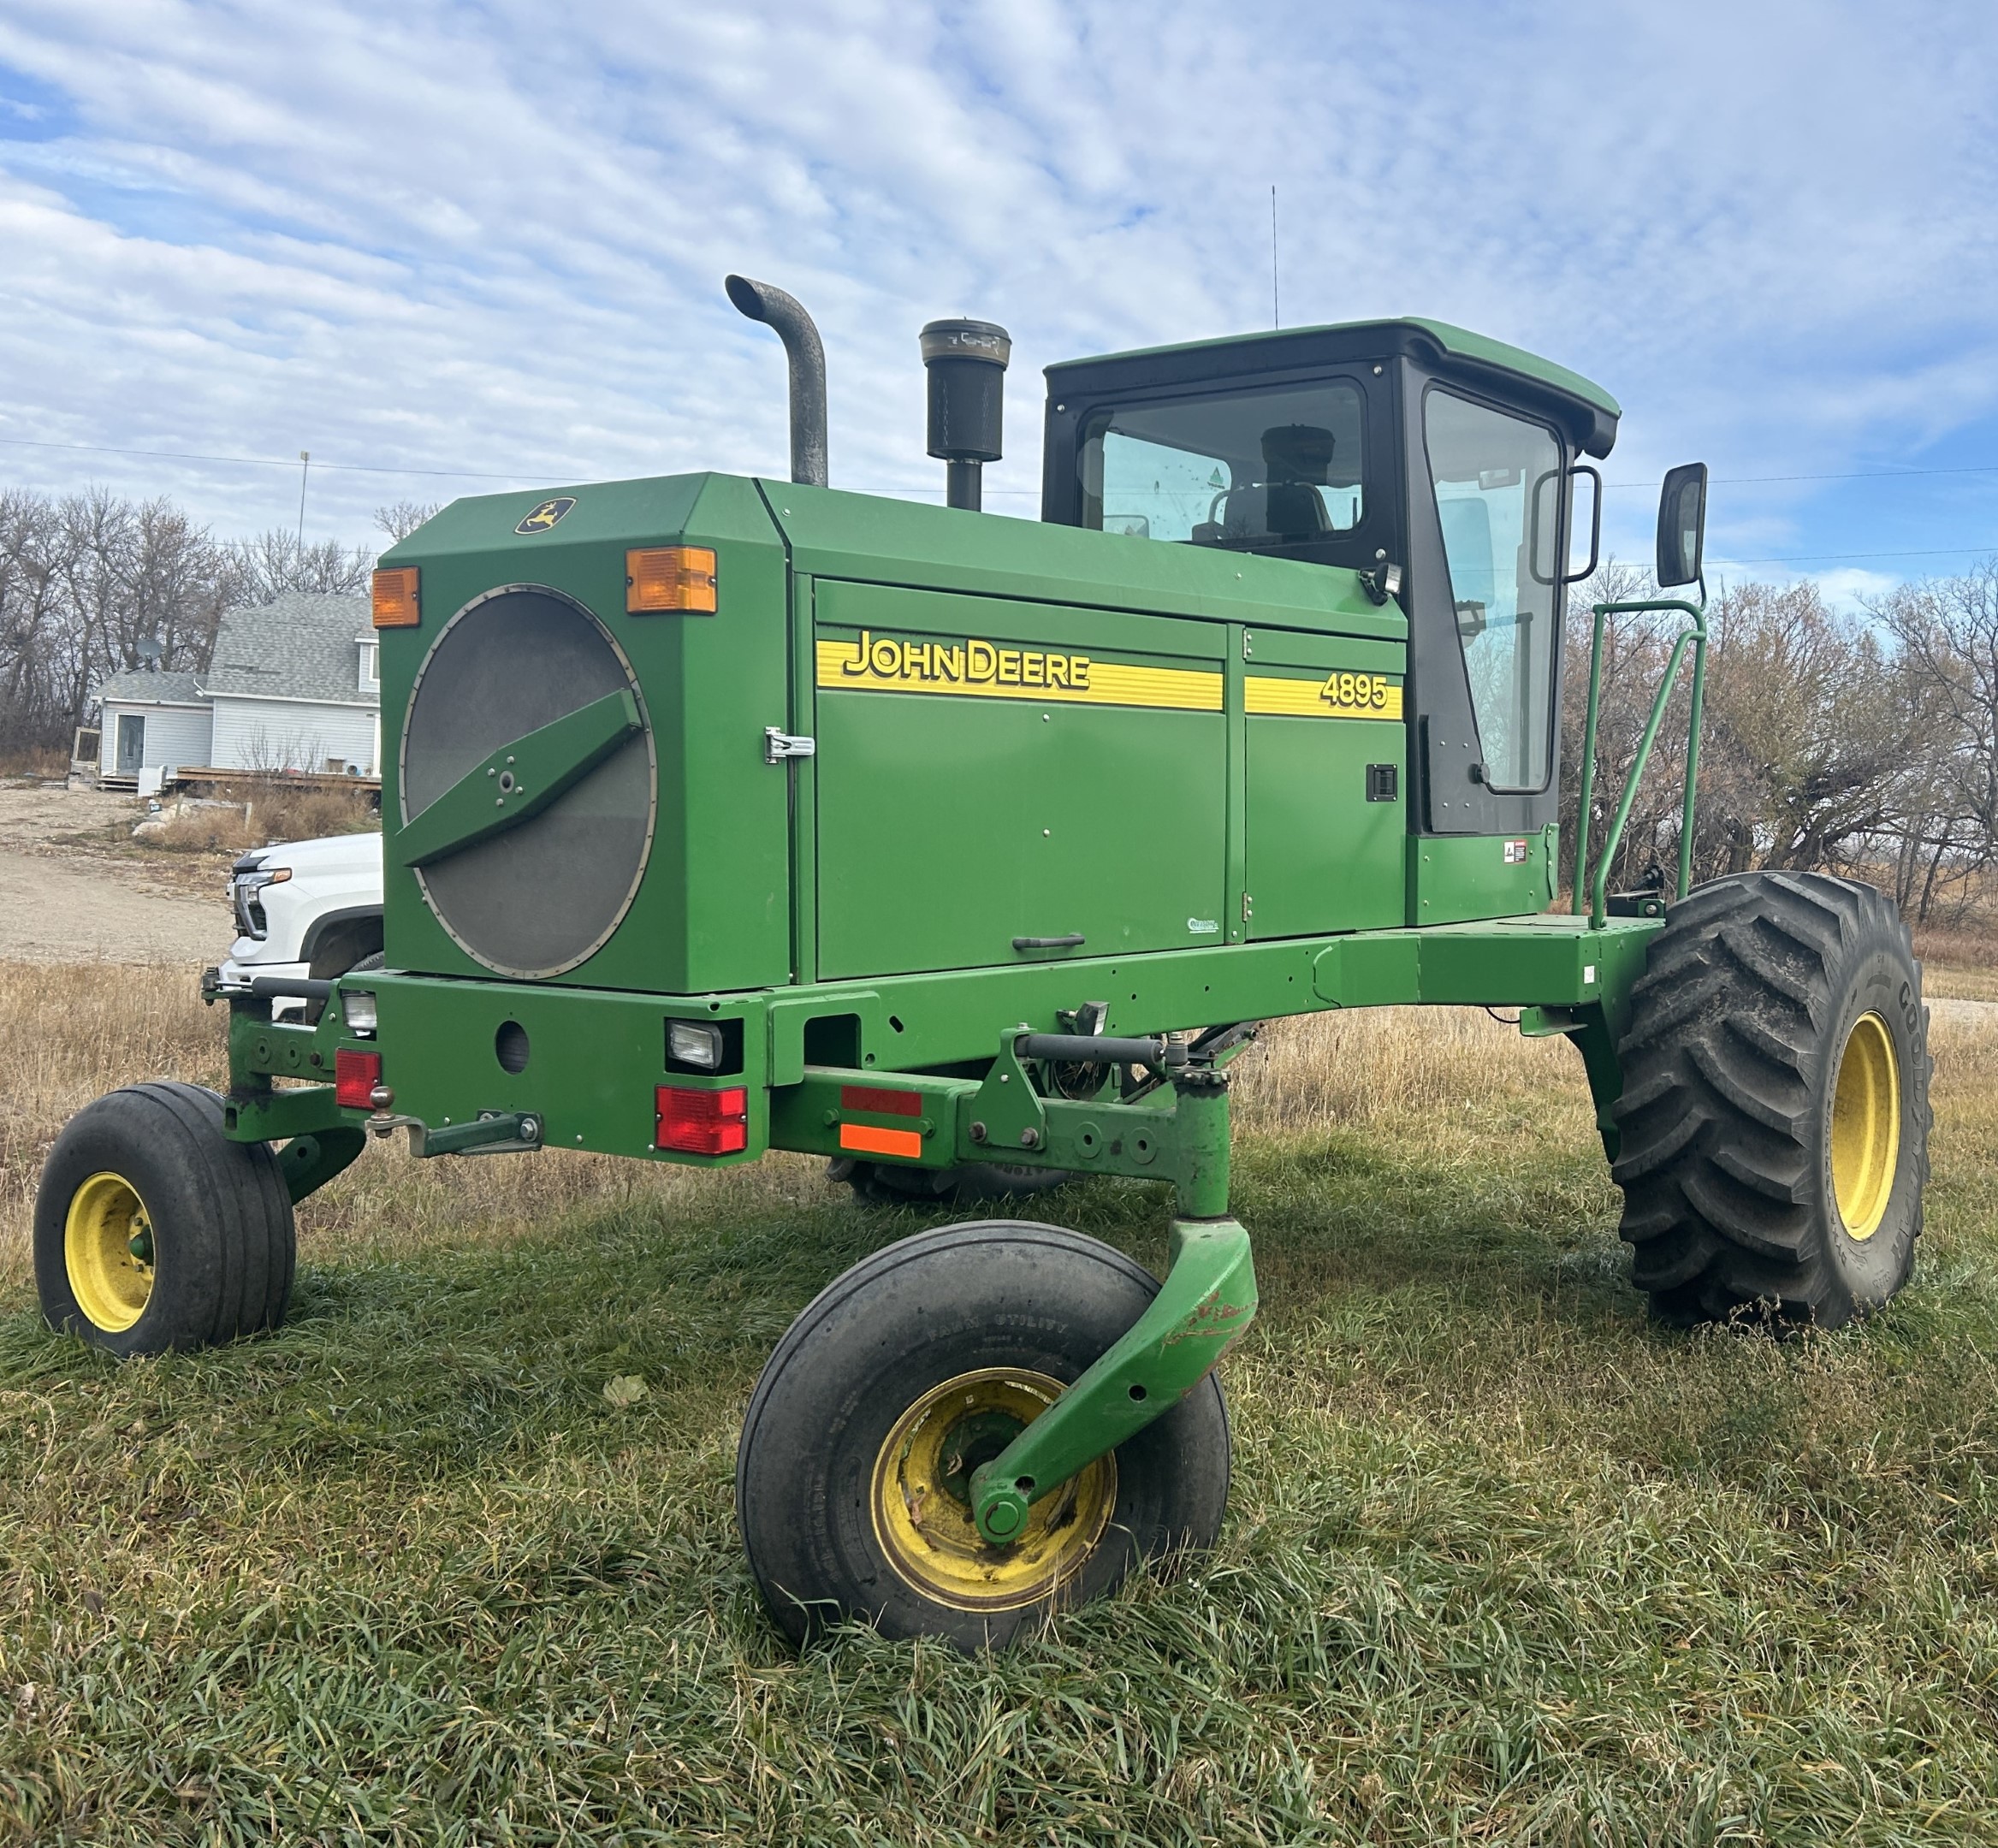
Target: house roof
x=142 y=689
x=302 y=646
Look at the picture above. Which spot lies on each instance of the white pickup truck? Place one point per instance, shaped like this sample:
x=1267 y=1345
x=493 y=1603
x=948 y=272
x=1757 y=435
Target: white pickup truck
x=306 y=908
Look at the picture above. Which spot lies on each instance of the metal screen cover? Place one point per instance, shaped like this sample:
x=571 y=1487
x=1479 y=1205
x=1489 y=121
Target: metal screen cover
x=546 y=894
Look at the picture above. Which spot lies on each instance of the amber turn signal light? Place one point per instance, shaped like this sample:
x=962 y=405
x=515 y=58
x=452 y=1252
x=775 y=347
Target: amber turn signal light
x=395 y=598
x=669 y=577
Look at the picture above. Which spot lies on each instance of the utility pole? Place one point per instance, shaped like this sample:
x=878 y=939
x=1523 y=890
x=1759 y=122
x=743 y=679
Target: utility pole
x=305 y=468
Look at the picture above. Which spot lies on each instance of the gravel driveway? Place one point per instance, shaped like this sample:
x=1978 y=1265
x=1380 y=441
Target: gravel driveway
x=64 y=903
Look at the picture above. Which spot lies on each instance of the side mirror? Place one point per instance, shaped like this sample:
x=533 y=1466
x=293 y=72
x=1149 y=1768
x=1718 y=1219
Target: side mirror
x=1681 y=524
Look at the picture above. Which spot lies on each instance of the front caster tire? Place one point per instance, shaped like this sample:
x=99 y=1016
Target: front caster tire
x=154 y=1231
x=904 y=1375
x=1775 y=1115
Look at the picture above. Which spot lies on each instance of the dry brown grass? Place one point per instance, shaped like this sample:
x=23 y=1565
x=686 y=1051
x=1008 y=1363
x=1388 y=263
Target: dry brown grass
x=70 y=1034
x=1960 y=960
x=1453 y=1081
x=1392 y=1067
x=260 y=810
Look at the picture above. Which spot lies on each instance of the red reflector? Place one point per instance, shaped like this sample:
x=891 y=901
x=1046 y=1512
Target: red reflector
x=355 y=1074
x=702 y=1122
x=854 y=1097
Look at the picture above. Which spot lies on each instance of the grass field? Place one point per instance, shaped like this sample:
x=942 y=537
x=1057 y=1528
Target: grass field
x=1504 y=1563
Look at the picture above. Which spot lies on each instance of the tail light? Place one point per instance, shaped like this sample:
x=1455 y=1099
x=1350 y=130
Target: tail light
x=702 y=1122
x=355 y=1074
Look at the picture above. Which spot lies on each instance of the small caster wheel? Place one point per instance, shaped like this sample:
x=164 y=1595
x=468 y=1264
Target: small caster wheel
x=154 y=1231
x=920 y=1364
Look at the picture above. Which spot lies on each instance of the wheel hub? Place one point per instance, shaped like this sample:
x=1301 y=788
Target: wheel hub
x=1866 y=1126
x=107 y=1251
x=921 y=1495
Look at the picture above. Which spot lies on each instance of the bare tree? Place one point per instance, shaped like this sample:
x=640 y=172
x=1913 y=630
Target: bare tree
x=1946 y=632
x=276 y=561
x=1806 y=714
x=87 y=584
x=1815 y=744
x=400 y=520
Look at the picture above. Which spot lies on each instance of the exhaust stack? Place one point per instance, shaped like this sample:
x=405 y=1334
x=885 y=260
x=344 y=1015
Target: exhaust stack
x=806 y=355
x=966 y=361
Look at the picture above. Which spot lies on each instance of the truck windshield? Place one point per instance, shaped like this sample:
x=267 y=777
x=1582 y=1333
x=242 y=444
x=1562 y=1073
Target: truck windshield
x=1251 y=470
x=1498 y=484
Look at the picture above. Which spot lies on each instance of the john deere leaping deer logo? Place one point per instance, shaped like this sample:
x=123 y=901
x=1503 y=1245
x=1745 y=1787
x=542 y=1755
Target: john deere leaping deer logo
x=546 y=514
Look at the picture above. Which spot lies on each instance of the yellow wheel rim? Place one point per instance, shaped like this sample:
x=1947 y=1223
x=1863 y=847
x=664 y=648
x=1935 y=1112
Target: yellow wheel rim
x=922 y=1487
x=1866 y=1126
x=107 y=1246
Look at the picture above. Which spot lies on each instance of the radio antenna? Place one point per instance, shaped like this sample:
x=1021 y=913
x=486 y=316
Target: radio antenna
x=1276 y=311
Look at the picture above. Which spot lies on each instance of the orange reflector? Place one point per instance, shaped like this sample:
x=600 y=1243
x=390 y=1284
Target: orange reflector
x=669 y=577
x=869 y=1140
x=395 y=598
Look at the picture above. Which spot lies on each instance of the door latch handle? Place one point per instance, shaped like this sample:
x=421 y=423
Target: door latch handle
x=778 y=745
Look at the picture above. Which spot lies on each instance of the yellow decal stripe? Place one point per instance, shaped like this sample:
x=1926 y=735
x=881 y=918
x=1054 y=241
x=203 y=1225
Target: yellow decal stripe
x=1338 y=696
x=985 y=670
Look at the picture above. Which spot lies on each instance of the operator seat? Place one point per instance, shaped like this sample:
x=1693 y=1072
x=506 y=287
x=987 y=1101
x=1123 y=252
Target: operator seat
x=1285 y=504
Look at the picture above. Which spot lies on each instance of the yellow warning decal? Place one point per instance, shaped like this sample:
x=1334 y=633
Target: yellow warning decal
x=1338 y=696
x=989 y=670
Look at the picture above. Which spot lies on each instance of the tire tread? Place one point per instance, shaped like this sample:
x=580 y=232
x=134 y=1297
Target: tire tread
x=1720 y=1062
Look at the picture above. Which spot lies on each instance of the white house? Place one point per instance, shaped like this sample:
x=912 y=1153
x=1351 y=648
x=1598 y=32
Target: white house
x=293 y=686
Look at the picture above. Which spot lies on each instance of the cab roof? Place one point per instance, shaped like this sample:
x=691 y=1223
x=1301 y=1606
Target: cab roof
x=1592 y=411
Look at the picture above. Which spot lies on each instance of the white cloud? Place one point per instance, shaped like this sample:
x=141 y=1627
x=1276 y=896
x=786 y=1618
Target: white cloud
x=1851 y=588
x=491 y=237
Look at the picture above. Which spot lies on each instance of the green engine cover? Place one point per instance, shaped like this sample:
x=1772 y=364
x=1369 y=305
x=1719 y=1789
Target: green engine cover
x=1030 y=744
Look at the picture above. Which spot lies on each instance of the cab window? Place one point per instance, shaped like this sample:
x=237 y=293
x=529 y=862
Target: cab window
x=1267 y=470
x=1498 y=482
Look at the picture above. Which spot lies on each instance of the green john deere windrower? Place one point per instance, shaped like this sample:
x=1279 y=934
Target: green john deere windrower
x=724 y=814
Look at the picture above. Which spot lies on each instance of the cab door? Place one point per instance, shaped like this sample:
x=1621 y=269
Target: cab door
x=1487 y=492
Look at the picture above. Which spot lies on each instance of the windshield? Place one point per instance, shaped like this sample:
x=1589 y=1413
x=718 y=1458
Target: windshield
x=1498 y=483
x=1269 y=468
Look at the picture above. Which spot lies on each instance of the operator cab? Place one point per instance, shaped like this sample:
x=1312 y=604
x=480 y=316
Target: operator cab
x=1436 y=463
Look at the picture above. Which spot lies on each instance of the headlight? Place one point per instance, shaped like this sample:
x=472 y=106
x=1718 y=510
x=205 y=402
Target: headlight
x=694 y=1043
x=356 y=1007
x=246 y=891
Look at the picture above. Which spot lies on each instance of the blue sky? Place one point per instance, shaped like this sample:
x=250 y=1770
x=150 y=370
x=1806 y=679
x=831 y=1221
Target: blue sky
x=487 y=239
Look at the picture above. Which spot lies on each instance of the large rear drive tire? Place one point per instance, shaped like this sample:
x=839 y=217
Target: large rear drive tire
x=1774 y=1114
x=904 y=1375
x=154 y=1231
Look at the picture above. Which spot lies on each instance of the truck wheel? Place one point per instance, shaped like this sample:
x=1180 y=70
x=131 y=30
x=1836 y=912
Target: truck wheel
x=971 y=1184
x=922 y=1362
x=154 y=1231
x=1775 y=1115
